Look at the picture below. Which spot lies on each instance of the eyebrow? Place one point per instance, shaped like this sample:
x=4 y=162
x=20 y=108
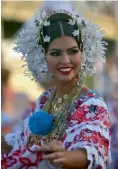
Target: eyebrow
x=67 y=49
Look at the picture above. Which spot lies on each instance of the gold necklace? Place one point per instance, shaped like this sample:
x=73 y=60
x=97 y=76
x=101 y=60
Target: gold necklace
x=58 y=102
x=60 y=122
x=60 y=112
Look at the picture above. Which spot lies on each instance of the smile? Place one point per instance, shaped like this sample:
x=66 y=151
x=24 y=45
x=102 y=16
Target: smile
x=65 y=70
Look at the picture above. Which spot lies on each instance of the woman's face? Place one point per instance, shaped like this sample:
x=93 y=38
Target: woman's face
x=64 y=59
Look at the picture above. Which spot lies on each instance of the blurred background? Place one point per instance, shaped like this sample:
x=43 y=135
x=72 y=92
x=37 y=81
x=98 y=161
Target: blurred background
x=19 y=93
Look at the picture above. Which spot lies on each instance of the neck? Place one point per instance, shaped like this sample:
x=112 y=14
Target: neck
x=64 y=87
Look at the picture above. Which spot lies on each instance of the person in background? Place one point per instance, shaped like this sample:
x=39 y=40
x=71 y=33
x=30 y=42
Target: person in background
x=113 y=109
x=6 y=120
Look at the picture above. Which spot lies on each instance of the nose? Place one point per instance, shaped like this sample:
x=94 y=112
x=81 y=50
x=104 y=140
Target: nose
x=65 y=59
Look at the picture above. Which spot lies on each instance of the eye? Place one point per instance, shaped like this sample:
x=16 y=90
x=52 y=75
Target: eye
x=55 y=53
x=74 y=51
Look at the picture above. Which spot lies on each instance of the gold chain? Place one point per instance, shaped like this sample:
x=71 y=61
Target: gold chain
x=60 y=108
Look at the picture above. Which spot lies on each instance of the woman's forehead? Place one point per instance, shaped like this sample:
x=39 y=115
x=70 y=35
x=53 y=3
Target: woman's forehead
x=61 y=43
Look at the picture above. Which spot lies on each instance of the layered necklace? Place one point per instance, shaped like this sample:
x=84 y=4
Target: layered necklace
x=61 y=110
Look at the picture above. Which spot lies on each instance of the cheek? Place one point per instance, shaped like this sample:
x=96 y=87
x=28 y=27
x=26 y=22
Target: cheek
x=77 y=60
x=51 y=64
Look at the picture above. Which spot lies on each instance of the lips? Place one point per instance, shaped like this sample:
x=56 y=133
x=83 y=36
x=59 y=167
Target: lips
x=65 y=70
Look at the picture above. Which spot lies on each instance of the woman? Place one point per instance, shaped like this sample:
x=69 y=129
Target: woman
x=70 y=126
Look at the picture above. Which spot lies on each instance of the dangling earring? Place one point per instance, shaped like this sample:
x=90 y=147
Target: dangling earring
x=47 y=75
x=80 y=80
x=51 y=75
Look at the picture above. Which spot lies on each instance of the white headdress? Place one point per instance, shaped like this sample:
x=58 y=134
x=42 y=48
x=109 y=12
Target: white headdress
x=34 y=54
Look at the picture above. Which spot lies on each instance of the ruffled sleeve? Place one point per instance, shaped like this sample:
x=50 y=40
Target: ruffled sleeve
x=89 y=129
x=18 y=139
x=22 y=156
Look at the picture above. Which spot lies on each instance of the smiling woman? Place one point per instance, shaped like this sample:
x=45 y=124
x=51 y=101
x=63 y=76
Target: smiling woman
x=69 y=127
x=64 y=60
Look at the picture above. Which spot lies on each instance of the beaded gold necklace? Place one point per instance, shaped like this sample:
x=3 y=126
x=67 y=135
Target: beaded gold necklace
x=60 y=108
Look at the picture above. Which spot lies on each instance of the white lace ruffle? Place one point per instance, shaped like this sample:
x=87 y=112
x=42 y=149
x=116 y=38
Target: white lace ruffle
x=18 y=139
x=95 y=101
x=90 y=149
x=74 y=130
x=94 y=160
x=13 y=139
x=78 y=128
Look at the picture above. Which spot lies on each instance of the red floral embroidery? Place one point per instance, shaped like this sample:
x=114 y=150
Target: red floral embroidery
x=22 y=136
x=91 y=94
x=99 y=167
x=87 y=137
x=8 y=162
x=43 y=99
x=26 y=162
x=79 y=102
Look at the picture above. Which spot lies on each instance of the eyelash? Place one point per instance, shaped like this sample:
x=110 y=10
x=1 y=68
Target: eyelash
x=72 y=52
x=55 y=53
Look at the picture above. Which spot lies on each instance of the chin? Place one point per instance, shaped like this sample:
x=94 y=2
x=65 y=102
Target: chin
x=65 y=79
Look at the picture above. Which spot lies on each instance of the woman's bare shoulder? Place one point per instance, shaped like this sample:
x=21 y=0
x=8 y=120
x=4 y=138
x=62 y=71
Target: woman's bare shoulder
x=85 y=89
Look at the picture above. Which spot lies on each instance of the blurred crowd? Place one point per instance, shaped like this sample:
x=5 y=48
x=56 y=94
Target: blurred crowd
x=111 y=98
x=15 y=106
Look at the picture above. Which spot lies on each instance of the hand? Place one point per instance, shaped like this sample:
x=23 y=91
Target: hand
x=54 y=153
x=59 y=157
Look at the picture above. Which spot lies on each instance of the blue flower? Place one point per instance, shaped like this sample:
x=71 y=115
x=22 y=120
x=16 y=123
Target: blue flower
x=41 y=123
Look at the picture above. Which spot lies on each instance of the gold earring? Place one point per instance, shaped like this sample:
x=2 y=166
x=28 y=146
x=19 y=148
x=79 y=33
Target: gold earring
x=80 y=80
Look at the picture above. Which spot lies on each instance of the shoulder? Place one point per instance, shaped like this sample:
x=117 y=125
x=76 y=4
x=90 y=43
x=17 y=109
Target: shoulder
x=91 y=107
x=91 y=97
x=43 y=98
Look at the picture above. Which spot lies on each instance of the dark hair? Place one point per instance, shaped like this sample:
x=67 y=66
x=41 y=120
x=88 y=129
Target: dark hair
x=58 y=27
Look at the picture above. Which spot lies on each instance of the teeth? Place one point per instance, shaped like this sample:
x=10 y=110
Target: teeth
x=66 y=69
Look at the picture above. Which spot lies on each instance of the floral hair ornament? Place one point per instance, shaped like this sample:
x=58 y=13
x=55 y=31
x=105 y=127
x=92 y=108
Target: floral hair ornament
x=30 y=42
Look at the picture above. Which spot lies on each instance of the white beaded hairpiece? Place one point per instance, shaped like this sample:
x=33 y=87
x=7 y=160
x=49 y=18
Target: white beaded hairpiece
x=29 y=44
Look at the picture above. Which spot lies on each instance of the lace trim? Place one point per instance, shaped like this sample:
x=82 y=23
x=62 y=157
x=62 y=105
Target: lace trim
x=94 y=101
x=83 y=126
x=90 y=152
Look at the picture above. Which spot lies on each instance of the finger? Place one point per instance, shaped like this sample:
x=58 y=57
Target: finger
x=34 y=148
x=53 y=142
x=53 y=156
x=46 y=148
x=51 y=148
x=58 y=165
x=60 y=142
x=56 y=142
x=59 y=160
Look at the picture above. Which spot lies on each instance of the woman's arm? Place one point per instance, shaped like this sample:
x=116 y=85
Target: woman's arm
x=89 y=129
x=76 y=160
x=58 y=156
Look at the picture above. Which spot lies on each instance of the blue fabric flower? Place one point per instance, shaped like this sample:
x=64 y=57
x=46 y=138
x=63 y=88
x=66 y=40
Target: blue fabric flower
x=40 y=123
